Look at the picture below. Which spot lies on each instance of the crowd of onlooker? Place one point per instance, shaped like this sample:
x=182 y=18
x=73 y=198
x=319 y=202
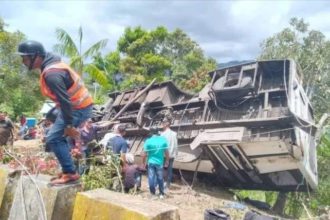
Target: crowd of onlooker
x=23 y=129
x=159 y=150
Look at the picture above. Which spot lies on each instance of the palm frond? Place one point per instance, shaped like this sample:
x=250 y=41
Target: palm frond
x=97 y=75
x=76 y=63
x=67 y=42
x=59 y=48
x=80 y=34
x=95 y=48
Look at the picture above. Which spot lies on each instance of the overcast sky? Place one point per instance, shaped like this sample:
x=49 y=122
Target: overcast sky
x=226 y=30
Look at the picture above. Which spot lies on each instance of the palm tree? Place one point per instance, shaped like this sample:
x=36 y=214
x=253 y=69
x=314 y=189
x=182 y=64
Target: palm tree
x=68 y=48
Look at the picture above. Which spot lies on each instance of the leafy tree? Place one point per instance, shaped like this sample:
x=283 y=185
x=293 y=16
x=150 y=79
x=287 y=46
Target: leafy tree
x=141 y=57
x=70 y=49
x=200 y=77
x=110 y=66
x=19 y=91
x=130 y=36
x=321 y=197
x=163 y=55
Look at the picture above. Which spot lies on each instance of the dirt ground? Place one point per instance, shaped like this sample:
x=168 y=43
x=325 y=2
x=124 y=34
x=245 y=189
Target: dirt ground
x=192 y=201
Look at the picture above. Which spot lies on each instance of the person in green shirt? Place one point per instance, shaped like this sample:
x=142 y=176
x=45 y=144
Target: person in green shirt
x=155 y=151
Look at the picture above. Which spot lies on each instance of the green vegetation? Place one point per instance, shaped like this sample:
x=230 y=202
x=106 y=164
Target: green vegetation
x=20 y=93
x=104 y=175
x=143 y=55
x=68 y=48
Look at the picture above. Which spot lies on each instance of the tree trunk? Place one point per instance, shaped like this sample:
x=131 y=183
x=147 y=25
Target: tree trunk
x=279 y=205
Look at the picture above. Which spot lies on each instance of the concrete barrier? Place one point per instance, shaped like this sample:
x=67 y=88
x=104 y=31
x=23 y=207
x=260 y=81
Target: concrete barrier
x=102 y=204
x=56 y=202
x=8 y=184
x=19 y=197
x=3 y=182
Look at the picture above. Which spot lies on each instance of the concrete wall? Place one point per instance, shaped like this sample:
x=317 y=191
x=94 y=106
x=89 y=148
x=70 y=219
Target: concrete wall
x=102 y=204
x=20 y=200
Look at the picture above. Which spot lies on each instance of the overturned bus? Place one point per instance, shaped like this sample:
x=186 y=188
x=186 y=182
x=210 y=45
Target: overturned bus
x=252 y=126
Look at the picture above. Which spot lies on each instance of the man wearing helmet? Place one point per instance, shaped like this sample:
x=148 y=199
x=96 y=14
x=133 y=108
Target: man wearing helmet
x=65 y=87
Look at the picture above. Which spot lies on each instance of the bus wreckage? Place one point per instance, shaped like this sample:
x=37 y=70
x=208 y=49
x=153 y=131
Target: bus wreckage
x=252 y=125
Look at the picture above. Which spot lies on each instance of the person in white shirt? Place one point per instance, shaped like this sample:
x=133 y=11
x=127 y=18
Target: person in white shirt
x=105 y=140
x=172 y=141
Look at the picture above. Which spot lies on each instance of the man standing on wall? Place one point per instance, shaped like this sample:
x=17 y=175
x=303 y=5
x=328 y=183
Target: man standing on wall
x=65 y=87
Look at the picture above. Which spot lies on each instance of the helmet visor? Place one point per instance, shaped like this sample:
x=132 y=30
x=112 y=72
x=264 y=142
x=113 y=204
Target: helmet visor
x=23 y=54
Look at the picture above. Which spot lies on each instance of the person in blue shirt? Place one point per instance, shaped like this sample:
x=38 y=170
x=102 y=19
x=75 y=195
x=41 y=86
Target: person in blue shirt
x=155 y=151
x=118 y=144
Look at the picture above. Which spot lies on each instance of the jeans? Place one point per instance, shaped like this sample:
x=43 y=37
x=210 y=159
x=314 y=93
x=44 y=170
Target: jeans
x=83 y=165
x=138 y=180
x=155 y=173
x=169 y=172
x=56 y=141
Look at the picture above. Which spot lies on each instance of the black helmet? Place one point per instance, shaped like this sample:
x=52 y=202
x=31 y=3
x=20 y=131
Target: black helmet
x=32 y=48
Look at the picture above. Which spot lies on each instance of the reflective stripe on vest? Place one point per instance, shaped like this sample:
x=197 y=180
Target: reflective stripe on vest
x=78 y=93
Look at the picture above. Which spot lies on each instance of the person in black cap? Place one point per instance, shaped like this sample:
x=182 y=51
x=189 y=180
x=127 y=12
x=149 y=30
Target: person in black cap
x=64 y=86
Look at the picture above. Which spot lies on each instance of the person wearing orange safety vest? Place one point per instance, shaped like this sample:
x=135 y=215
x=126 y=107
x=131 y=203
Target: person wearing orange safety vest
x=65 y=87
